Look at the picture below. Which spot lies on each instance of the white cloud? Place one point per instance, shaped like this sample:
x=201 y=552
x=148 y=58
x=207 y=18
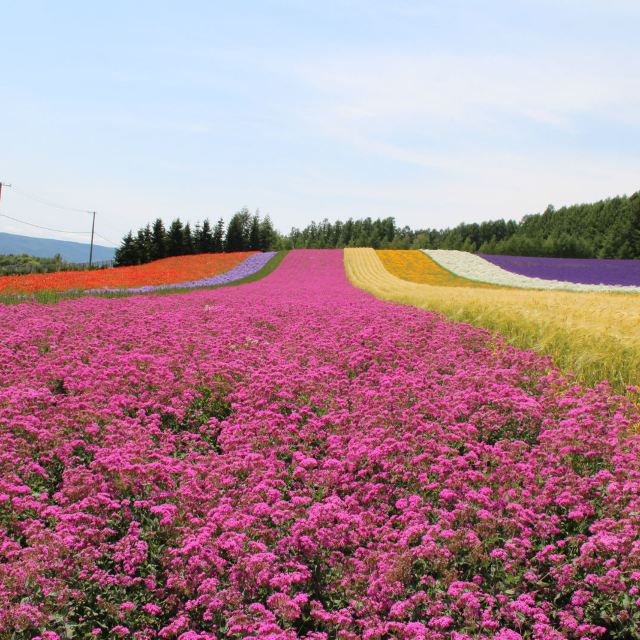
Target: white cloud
x=380 y=93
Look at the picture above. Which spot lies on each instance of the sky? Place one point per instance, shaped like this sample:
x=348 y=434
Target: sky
x=433 y=112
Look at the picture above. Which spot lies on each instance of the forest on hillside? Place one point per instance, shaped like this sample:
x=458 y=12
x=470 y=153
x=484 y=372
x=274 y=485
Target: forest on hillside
x=605 y=229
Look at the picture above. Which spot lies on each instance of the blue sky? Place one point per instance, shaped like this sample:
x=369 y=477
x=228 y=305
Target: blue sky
x=434 y=112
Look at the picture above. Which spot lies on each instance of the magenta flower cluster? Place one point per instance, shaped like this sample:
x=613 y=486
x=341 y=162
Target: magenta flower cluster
x=296 y=459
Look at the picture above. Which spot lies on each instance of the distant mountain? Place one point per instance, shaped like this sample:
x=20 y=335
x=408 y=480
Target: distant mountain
x=48 y=248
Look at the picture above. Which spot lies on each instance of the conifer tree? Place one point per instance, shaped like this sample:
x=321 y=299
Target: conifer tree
x=158 y=248
x=175 y=238
x=187 y=240
x=254 y=233
x=126 y=254
x=238 y=231
x=205 y=241
x=218 y=243
x=267 y=234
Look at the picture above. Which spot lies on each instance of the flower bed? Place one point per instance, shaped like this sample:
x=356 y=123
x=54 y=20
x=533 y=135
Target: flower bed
x=595 y=336
x=416 y=266
x=475 y=267
x=247 y=267
x=584 y=271
x=166 y=271
x=296 y=459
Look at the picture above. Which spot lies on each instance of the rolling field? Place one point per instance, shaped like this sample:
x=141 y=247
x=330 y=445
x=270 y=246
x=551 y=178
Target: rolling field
x=594 y=335
x=169 y=271
x=294 y=458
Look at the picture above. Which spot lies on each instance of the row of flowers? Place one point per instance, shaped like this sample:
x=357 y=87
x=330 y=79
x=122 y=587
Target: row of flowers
x=582 y=270
x=160 y=272
x=416 y=266
x=296 y=459
x=475 y=267
x=248 y=267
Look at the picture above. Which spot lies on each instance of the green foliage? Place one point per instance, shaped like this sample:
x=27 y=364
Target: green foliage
x=12 y=264
x=238 y=232
x=245 y=232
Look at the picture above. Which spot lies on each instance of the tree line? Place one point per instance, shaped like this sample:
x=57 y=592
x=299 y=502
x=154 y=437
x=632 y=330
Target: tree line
x=605 y=229
x=245 y=232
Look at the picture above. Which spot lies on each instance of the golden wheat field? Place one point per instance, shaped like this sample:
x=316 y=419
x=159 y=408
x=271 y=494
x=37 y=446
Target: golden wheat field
x=594 y=335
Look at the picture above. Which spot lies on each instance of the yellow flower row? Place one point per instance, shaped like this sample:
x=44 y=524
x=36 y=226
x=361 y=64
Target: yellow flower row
x=418 y=267
x=594 y=335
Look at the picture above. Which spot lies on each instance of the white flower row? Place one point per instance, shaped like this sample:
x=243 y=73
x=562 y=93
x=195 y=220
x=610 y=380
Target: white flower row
x=467 y=265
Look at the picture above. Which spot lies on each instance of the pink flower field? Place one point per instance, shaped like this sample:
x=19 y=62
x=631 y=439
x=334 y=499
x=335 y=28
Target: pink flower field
x=293 y=458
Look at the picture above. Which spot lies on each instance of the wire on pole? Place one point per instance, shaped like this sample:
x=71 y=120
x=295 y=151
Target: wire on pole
x=55 y=205
x=49 y=203
x=46 y=202
x=38 y=226
x=3 y=184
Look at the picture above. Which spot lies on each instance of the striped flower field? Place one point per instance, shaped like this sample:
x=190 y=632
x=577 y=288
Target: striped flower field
x=297 y=459
x=249 y=266
x=416 y=266
x=593 y=335
x=476 y=268
x=181 y=269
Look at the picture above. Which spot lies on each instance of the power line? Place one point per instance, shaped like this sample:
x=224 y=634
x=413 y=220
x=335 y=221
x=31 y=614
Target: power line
x=37 y=226
x=46 y=202
x=115 y=244
x=49 y=203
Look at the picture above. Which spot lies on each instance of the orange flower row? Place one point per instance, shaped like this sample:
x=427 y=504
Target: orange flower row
x=416 y=266
x=166 y=271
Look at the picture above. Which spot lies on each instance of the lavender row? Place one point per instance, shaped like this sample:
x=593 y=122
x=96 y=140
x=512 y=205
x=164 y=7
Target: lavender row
x=579 y=270
x=248 y=267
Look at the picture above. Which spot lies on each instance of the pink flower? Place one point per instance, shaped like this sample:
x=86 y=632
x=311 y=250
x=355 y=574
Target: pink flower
x=441 y=622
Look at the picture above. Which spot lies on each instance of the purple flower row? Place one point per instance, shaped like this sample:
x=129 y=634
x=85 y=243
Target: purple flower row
x=248 y=267
x=579 y=270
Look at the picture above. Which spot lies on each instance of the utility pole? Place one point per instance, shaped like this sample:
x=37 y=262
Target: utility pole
x=93 y=225
x=3 y=185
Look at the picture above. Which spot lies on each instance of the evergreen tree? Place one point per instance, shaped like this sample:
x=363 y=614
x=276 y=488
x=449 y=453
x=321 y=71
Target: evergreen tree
x=238 y=231
x=254 y=233
x=142 y=244
x=196 y=238
x=205 y=241
x=218 y=242
x=126 y=253
x=187 y=240
x=268 y=237
x=175 y=238
x=158 y=248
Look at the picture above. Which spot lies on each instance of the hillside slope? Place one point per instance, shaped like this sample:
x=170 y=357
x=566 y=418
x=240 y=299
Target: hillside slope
x=47 y=248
